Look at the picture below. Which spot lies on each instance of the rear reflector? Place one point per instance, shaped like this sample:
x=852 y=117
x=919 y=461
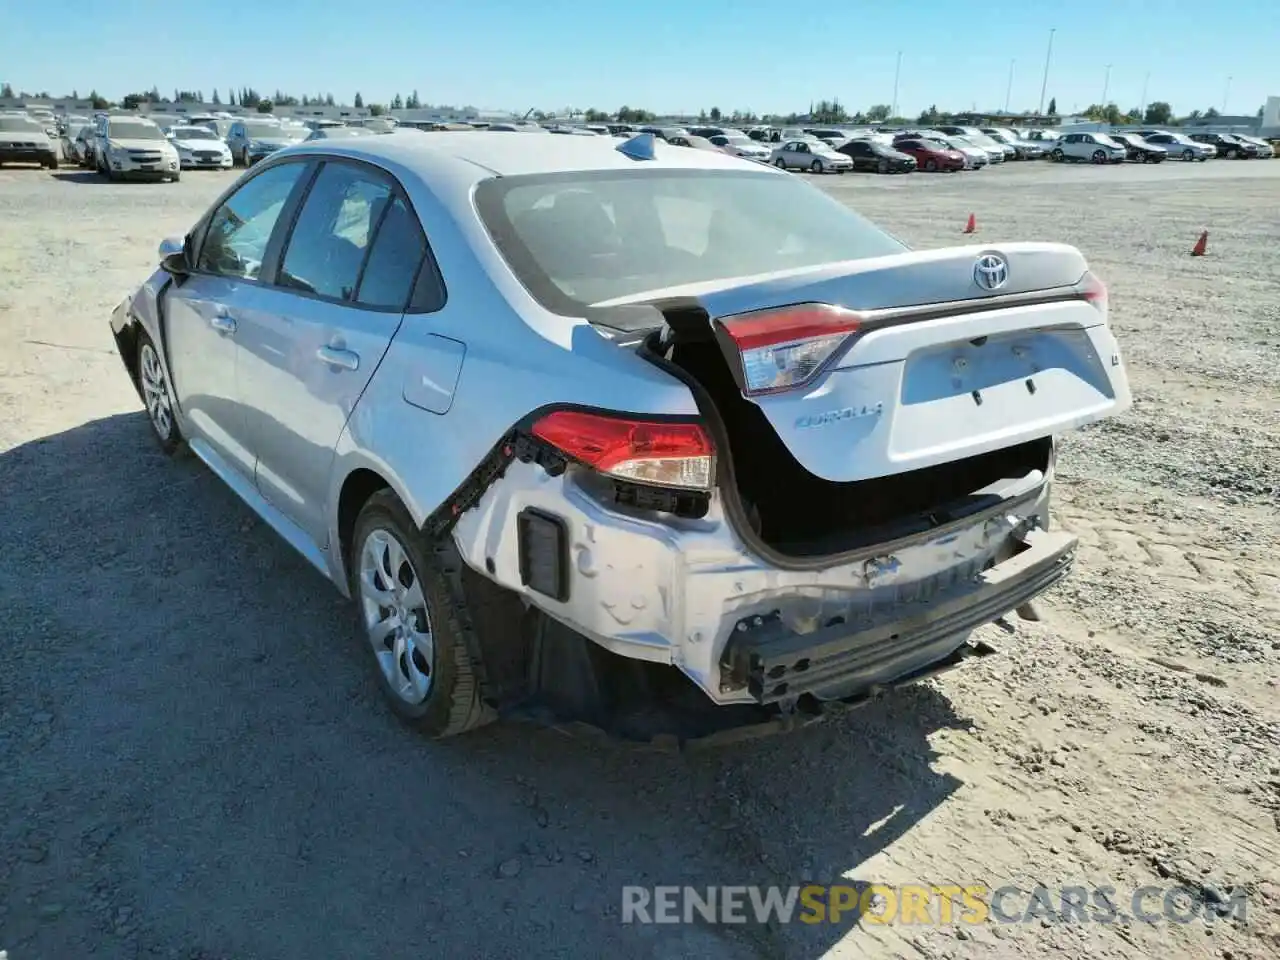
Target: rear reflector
x=646 y=451
x=787 y=347
x=543 y=542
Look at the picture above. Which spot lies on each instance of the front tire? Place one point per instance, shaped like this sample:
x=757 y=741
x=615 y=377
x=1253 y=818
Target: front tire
x=815 y=167
x=1057 y=156
x=780 y=164
x=157 y=396
x=414 y=623
x=882 y=166
x=1188 y=155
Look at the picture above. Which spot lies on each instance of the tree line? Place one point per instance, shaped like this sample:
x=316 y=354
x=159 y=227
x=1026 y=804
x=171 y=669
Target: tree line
x=832 y=112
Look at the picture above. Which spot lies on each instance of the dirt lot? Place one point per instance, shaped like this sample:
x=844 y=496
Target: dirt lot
x=194 y=763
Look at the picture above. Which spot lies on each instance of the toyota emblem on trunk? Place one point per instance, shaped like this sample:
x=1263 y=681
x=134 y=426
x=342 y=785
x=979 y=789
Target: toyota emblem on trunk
x=991 y=272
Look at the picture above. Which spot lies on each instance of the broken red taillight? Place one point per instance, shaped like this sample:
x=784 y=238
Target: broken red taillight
x=664 y=453
x=786 y=347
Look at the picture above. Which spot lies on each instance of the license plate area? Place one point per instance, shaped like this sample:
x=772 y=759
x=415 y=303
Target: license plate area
x=997 y=388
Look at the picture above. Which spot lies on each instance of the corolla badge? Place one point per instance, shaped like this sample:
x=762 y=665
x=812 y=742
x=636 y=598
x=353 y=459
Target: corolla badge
x=991 y=272
x=836 y=416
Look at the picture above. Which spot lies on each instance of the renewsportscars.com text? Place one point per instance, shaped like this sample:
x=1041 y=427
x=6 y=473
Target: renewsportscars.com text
x=925 y=904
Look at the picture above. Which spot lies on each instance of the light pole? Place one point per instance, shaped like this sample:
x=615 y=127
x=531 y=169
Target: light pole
x=1226 y=93
x=1008 y=90
x=1045 y=83
x=1145 y=81
x=897 y=71
x=1106 y=85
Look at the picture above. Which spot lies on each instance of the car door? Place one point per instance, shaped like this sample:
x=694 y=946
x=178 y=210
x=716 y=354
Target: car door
x=202 y=312
x=313 y=339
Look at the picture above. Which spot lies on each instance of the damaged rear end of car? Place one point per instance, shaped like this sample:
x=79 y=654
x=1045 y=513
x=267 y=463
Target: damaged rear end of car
x=867 y=481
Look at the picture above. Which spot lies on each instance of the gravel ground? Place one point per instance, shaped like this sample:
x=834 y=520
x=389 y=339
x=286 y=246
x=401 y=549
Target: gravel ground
x=194 y=763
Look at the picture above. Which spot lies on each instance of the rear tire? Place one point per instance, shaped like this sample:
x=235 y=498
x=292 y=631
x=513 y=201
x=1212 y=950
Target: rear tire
x=1099 y=156
x=931 y=166
x=882 y=166
x=815 y=167
x=1188 y=154
x=421 y=659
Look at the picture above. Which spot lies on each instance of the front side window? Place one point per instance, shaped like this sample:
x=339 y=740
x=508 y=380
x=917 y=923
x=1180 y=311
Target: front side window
x=587 y=239
x=236 y=241
x=329 y=240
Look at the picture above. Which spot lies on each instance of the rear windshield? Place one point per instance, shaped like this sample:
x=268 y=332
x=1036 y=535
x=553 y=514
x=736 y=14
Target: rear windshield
x=578 y=240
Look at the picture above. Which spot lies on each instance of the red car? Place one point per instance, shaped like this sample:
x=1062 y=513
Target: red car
x=931 y=156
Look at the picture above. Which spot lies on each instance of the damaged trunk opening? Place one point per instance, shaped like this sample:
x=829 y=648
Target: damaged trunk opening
x=806 y=517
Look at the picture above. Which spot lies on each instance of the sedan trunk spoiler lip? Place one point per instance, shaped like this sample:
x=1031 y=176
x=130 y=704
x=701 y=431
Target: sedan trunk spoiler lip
x=813 y=283
x=636 y=318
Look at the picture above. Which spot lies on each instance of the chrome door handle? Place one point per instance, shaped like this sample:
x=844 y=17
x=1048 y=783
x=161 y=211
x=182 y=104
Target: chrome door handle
x=340 y=359
x=222 y=323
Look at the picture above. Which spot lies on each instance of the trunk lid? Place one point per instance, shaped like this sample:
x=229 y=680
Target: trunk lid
x=956 y=352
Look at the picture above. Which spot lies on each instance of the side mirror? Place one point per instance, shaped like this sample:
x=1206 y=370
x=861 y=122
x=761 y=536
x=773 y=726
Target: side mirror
x=176 y=264
x=173 y=256
x=172 y=245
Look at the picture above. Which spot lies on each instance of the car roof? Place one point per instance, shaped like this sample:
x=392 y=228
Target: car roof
x=487 y=154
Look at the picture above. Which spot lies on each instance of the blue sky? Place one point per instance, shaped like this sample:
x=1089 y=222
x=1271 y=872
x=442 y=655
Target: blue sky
x=662 y=55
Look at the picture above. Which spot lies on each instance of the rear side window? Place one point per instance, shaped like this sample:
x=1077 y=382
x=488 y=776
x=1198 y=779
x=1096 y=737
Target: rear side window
x=394 y=259
x=328 y=244
x=582 y=239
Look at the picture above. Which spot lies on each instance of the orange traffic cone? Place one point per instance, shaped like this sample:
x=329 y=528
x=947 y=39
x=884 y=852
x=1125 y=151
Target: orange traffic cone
x=1201 y=245
x=972 y=225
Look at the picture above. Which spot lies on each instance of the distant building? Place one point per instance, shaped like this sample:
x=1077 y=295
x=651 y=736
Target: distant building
x=1271 y=117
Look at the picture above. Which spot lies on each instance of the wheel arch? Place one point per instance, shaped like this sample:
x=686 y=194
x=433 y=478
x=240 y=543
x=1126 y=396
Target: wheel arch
x=127 y=344
x=358 y=486
x=355 y=480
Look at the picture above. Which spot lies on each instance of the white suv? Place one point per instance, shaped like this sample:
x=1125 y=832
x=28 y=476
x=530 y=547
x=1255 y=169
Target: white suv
x=133 y=147
x=1094 y=147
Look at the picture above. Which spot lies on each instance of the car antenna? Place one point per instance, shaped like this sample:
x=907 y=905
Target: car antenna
x=639 y=147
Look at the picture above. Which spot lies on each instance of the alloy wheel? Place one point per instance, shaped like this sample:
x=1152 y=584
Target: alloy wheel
x=395 y=616
x=155 y=391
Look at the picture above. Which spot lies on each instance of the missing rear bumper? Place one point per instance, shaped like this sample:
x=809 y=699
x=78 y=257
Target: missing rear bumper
x=843 y=660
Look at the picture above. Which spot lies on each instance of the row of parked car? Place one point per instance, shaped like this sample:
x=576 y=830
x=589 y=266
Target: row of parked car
x=126 y=145
x=953 y=148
